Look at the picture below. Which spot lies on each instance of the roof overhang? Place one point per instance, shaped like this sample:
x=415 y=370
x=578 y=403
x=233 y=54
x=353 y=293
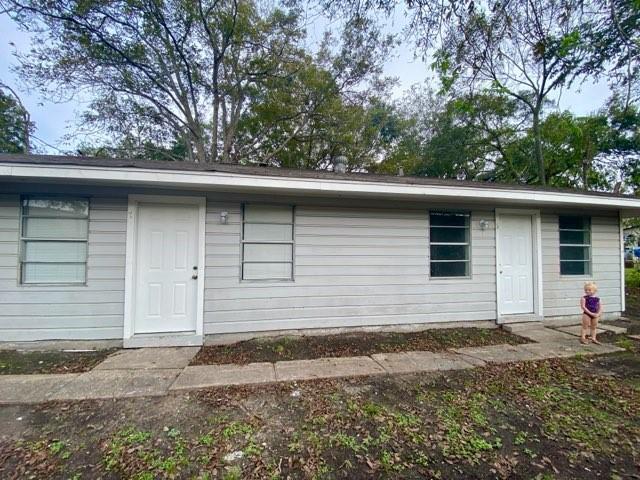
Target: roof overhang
x=332 y=188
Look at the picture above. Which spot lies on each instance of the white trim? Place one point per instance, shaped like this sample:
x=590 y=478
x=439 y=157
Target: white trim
x=130 y=340
x=623 y=298
x=208 y=180
x=536 y=245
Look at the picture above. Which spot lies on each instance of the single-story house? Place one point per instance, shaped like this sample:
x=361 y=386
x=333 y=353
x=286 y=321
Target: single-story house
x=167 y=253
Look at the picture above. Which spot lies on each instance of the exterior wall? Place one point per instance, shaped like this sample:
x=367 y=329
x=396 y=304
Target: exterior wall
x=562 y=293
x=91 y=311
x=353 y=267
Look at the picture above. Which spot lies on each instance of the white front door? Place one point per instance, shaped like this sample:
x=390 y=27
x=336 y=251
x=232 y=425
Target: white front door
x=166 y=262
x=515 y=264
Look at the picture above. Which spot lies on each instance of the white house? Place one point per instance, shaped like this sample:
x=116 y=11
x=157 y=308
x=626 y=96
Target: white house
x=166 y=253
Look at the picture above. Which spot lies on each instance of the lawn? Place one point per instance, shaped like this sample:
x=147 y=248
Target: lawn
x=539 y=420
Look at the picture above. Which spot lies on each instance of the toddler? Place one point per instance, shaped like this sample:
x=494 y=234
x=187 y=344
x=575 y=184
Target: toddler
x=591 y=311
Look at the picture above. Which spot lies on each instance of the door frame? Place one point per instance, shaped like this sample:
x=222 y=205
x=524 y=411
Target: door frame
x=536 y=245
x=130 y=339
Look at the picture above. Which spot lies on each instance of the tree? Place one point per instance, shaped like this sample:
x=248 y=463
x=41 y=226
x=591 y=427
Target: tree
x=16 y=126
x=611 y=41
x=179 y=69
x=466 y=137
x=525 y=50
x=338 y=116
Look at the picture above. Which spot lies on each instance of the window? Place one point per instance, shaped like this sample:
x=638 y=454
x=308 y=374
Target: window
x=54 y=240
x=267 y=242
x=449 y=241
x=575 y=245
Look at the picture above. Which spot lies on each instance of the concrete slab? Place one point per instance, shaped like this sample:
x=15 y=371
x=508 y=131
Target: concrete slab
x=563 y=350
x=519 y=326
x=635 y=337
x=203 y=376
x=556 y=350
x=613 y=328
x=411 y=362
x=576 y=330
x=326 y=368
x=499 y=353
x=545 y=335
x=149 y=358
x=31 y=388
x=602 y=349
x=117 y=384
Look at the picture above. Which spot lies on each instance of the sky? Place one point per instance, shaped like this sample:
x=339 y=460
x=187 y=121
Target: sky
x=54 y=120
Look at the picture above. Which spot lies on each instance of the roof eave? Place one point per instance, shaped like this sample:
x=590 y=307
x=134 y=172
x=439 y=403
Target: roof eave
x=223 y=181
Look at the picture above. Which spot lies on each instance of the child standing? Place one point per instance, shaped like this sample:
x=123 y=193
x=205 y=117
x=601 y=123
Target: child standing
x=591 y=311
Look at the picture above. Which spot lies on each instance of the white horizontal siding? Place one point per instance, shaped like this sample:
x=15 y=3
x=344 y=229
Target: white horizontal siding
x=353 y=267
x=562 y=293
x=91 y=311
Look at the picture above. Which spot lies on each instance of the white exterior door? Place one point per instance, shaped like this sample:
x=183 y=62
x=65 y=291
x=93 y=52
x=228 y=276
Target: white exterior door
x=515 y=264
x=166 y=262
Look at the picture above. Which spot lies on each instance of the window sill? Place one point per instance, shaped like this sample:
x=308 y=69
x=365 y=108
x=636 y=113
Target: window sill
x=267 y=282
x=576 y=277
x=467 y=279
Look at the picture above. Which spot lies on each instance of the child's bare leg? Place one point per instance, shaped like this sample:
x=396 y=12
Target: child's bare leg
x=586 y=321
x=594 y=328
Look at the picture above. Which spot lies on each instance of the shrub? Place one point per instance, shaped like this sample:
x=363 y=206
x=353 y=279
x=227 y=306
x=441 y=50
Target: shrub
x=632 y=278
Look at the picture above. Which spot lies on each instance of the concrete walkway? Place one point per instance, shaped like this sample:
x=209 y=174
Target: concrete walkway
x=158 y=371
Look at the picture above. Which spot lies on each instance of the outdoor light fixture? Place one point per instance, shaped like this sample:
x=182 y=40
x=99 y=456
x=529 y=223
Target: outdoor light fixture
x=484 y=224
x=224 y=218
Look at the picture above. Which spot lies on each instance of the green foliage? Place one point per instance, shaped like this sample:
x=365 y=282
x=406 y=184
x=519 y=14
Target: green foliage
x=15 y=127
x=237 y=428
x=632 y=277
x=209 y=81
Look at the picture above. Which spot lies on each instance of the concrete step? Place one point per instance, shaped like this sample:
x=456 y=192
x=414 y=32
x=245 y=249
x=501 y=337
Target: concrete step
x=519 y=326
x=613 y=328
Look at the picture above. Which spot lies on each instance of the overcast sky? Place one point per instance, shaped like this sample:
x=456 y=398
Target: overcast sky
x=54 y=120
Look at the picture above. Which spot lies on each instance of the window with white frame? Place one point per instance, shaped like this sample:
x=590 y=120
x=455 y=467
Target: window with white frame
x=575 y=245
x=54 y=235
x=267 y=242
x=449 y=239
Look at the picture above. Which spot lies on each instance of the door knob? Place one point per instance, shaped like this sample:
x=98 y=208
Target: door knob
x=195 y=273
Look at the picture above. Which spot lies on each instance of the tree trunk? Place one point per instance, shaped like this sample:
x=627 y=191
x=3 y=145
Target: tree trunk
x=216 y=113
x=537 y=139
x=214 y=126
x=201 y=152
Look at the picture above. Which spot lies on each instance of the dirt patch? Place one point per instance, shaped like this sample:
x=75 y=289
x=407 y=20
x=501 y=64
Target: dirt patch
x=15 y=362
x=555 y=419
x=632 y=312
x=348 y=345
x=630 y=321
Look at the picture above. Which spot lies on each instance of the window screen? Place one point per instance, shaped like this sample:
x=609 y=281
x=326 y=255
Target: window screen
x=267 y=242
x=575 y=245
x=54 y=240
x=449 y=244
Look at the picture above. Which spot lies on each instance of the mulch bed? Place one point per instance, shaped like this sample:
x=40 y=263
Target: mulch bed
x=348 y=345
x=17 y=362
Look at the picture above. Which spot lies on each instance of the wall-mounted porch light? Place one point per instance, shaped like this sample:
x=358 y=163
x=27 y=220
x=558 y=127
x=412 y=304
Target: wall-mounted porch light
x=224 y=218
x=484 y=224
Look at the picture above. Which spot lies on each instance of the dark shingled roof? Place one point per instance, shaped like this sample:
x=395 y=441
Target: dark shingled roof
x=277 y=172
